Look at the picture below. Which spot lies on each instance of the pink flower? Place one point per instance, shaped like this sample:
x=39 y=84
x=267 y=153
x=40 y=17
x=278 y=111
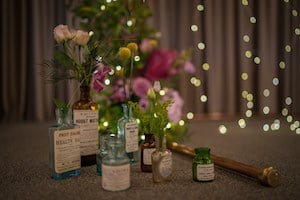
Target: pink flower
x=175 y=109
x=140 y=86
x=147 y=45
x=159 y=64
x=156 y=86
x=189 y=67
x=62 y=33
x=81 y=37
x=99 y=77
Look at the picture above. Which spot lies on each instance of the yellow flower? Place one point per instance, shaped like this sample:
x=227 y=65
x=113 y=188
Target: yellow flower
x=132 y=46
x=153 y=43
x=124 y=52
x=151 y=93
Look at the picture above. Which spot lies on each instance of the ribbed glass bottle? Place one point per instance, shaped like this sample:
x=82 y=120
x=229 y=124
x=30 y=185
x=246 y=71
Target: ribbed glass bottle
x=64 y=146
x=85 y=114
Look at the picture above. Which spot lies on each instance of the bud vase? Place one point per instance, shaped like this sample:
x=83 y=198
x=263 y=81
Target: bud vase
x=161 y=161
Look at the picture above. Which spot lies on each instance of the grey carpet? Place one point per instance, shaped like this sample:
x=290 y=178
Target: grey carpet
x=24 y=171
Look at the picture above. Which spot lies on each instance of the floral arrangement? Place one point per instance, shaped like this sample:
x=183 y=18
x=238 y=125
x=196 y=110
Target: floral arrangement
x=135 y=58
x=76 y=58
x=153 y=117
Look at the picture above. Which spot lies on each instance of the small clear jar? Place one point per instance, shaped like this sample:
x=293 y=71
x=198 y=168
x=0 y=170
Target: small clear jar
x=115 y=167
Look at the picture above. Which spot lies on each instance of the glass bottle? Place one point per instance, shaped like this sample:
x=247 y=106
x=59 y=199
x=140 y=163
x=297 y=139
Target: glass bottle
x=103 y=148
x=147 y=148
x=161 y=161
x=85 y=114
x=115 y=167
x=128 y=131
x=64 y=146
x=203 y=166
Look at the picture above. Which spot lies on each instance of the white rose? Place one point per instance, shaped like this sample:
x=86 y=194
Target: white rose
x=81 y=37
x=61 y=33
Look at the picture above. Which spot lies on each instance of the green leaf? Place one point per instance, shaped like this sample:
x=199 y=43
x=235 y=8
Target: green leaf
x=64 y=60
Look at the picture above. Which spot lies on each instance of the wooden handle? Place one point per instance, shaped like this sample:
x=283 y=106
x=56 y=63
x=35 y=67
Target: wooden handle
x=267 y=176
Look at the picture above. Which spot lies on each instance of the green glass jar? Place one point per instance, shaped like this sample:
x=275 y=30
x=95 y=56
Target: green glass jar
x=203 y=166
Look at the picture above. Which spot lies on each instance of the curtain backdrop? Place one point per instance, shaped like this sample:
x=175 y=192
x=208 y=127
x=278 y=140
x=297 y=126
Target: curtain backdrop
x=225 y=28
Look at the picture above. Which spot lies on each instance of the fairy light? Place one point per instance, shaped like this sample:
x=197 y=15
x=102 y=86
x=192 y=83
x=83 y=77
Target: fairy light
x=137 y=58
x=246 y=94
x=242 y=123
x=222 y=129
x=181 y=123
x=200 y=7
x=190 y=115
x=107 y=82
x=129 y=23
x=203 y=98
x=194 y=28
x=102 y=7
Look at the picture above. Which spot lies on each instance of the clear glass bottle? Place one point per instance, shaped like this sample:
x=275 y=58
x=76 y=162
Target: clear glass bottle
x=103 y=149
x=85 y=114
x=115 y=167
x=128 y=131
x=64 y=146
x=203 y=166
x=161 y=161
x=147 y=148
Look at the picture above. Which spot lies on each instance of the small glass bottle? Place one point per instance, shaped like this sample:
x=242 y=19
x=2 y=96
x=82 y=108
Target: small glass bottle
x=85 y=114
x=147 y=148
x=115 y=167
x=103 y=148
x=203 y=166
x=64 y=146
x=161 y=161
x=128 y=131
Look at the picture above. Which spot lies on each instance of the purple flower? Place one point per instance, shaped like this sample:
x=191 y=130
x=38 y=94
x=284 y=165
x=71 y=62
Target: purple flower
x=99 y=77
x=119 y=93
x=143 y=103
x=140 y=86
x=159 y=64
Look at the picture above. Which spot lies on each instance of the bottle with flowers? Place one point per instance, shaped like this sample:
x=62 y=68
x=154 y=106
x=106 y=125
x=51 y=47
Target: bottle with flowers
x=154 y=120
x=78 y=58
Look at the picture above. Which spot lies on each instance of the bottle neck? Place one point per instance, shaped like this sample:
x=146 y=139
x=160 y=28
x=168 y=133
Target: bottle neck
x=125 y=110
x=149 y=137
x=63 y=117
x=161 y=142
x=85 y=93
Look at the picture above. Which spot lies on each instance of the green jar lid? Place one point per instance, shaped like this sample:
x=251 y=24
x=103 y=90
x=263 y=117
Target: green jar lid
x=202 y=150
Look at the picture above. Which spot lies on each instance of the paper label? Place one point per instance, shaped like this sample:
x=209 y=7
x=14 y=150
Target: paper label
x=131 y=137
x=205 y=172
x=165 y=166
x=115 y=178
x=66 y=150
x=147 y=156
x=88 y=121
